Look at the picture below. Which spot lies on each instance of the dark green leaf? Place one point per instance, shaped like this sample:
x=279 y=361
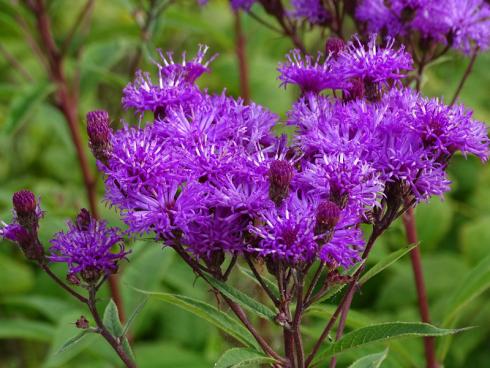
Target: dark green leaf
x=237 y=358
x=209 y=313
x=243 y=299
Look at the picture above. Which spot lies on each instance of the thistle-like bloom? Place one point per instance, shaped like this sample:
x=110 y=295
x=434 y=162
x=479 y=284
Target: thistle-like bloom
x=175 y=84
x=372 y=62
x=311 y=10
x=87 y=248
x=310 y=74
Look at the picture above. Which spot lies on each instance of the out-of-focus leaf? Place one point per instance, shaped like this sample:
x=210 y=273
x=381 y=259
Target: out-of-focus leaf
x=239 y=357
x=271 y=285
x=371 y=361
x=133 y=315
x=386 y=262
x=244 y=300
x=166 y=354
x=26 y=329
x=381 y=332
x=433 y=221
x=209 y=313
x=24 y=104
x=475 y=237
x=49 y=307
x=15 y=277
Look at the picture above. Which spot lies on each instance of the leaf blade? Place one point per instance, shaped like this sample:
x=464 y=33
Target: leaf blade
x=240 y=357
x=371 y=360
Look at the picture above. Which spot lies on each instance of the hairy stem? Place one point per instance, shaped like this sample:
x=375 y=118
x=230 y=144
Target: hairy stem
x=411 y=231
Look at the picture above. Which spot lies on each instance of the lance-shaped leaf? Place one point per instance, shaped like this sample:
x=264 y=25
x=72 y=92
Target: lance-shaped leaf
x=371 y=360
x=113 y=324
x=240 y=358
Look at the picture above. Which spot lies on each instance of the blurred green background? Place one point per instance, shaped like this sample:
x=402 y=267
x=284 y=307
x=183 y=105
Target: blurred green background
x=36 y=152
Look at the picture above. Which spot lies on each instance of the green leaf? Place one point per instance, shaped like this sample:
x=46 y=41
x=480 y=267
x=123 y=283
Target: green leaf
x=243 y=299
x=209 y=313
x=370 y=361
x=270 y=284
x=133 y=316
x=113 y=324
x=73 y=341
x=382 y=332
x=25 y=329
x=472 y=285
x=49 y=307
x=13 y=270
x=24 y=104
x=238 y=357
x=385 y=263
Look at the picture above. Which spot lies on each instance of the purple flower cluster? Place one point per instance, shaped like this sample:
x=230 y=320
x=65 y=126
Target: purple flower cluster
x=462 y=24
x=207 y=174
x=87 y=248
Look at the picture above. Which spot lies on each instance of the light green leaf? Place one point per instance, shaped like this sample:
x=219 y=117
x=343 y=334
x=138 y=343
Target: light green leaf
x=133 y=316
x=209 y=313
x=385 y=263
x=243 y=299
x=238 y=357
x=113 y=324
x=25 y=329
x=15 y=277
x=382 y=332
x=49 y=307
x=24 y=104
x=73 y=341
x=370 y=361
x=270 y=284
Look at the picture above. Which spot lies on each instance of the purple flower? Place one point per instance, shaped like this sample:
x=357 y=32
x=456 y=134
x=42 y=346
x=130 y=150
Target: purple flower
x=242 y=4
x=372 y=62
x=311 y=75
x=343 y=249
x=175 y=85
x=311 y=10
x=87 y=248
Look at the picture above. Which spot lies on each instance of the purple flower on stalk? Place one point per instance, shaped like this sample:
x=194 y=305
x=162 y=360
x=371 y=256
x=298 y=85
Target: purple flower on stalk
x=343 y=249
x=311 y=75
x=311 y=10
x=372 y=62
x=87 y=248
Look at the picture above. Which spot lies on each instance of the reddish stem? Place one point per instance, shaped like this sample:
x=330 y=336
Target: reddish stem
x=242 y=58
x=429 y=342
x=67 y=103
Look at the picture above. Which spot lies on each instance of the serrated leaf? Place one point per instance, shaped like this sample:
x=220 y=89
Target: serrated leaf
x=209 y=313
x=113 y=324
x=270 y=284
x=25 y=329
x=73 y=341
x=371 y=360
x=244 y=300
x=382 y=332
x=385 y=263
x=239 y=357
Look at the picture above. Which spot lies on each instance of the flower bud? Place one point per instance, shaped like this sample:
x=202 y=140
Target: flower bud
x=327 y=216
x=25 y=207
x=82 y=323
x=280 y=176
x=83 y=220
x=99 y=133
x=334 y=45
x=73 y=279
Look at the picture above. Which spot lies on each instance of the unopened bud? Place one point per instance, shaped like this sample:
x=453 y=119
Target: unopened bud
x=24 y=202
x=280 y=176
x=82 y=323
x=327 y=216
x=83 y=220
x=99 y=133
x=334 y=45
x=73 y=279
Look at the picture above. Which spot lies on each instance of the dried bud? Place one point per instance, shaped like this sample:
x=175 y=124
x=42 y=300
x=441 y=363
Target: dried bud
x=327 y=216
x=334 y=45
x=73 y=279
x=83 y=220
x=99 y=133
x=280 y=176
x=82 y=323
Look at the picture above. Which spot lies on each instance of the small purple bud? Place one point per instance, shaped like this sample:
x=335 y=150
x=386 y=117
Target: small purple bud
x=280 y=176
x=24 y=202
x=83 y=220
x=334 y=45
x=73 y=279
x=99 y=133
x=327 y=216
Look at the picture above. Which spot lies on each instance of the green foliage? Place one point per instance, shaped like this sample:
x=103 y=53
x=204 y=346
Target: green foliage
x=241 y=358
x=370 y=361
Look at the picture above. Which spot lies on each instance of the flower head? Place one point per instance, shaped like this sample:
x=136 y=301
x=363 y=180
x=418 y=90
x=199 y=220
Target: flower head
x=87 y=248
x=311 y=10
